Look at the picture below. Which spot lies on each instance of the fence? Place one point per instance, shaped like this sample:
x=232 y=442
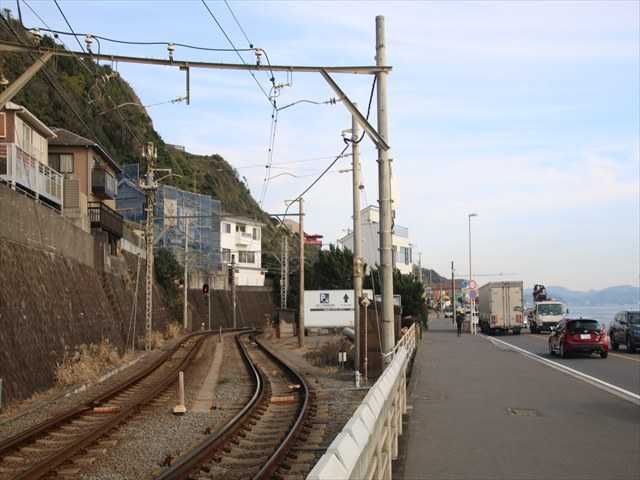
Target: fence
x=368 y=443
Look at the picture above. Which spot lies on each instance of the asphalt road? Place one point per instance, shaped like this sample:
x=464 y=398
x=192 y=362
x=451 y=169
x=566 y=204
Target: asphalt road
x=620 y=368
x=480 y=410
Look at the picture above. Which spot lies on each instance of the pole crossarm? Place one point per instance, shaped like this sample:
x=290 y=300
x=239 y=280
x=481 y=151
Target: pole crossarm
x=356 y=69
x=372 y=132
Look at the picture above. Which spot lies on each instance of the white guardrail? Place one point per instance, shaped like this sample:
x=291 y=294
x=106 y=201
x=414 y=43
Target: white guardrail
x=368 y=443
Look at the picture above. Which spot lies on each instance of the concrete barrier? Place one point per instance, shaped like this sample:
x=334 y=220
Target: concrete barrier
x=368 y=443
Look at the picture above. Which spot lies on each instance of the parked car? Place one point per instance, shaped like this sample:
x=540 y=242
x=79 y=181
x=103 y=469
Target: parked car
x=578 y=335
x=625 y=330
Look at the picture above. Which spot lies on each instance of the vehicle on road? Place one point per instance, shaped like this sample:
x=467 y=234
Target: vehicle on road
x=625 y=330
x=578 y=335
x=546 y=312
x=500 y=307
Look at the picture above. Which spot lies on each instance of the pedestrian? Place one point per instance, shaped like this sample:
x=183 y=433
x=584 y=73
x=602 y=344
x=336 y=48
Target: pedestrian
x=459 y=319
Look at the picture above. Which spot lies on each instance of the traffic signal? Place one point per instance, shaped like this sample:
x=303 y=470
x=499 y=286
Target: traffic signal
x=205 y=289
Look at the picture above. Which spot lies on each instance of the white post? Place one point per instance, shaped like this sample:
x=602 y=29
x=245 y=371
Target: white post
x=301 y=274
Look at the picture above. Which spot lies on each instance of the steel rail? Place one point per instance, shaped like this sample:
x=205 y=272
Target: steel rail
x=26 y=435
x=47 y=464
x=207 y=448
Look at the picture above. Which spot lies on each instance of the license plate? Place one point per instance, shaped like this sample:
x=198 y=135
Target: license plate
x=585 y=336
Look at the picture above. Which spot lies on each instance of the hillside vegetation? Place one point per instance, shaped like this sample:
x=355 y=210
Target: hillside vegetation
x=67 y=85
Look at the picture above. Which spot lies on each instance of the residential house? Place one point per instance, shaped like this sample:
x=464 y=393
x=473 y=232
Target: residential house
x=241 y=242
x=370 y=227
x=24 y=160
x=90 y=184
x=310 y=239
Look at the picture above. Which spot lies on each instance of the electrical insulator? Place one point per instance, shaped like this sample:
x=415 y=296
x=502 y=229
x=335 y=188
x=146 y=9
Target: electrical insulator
x=36 y=33
x=258 y=56
x=171 y=48
x=205 y=288
x=88 y=40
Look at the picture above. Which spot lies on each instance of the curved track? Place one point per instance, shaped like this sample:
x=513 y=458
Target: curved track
x=255 y=443
x=51 y=446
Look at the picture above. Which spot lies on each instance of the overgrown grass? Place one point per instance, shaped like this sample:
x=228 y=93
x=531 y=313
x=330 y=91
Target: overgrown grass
x=325 y=353
x=87 y=363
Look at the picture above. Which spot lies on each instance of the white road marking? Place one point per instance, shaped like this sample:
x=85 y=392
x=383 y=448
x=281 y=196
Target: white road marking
x=596 y=382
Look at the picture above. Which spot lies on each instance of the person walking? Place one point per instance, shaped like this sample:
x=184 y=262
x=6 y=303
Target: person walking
x=459 y=319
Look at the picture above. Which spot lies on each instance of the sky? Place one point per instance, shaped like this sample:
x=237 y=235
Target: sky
x=526 y=113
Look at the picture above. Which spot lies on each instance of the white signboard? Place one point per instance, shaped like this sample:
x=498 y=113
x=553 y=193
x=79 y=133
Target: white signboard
x=329 y=308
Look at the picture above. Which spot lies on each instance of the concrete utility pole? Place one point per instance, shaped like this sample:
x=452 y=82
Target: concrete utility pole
x=284 y=272
x=301 y=282
x=234 y=299
x=209 y=299
x=453 y=290
x=473 y=300
x=185 y=309
x=357 y=237
x=386 y=212
x=150 y=187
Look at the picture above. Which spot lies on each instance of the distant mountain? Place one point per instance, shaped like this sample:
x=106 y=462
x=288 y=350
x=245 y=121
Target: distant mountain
x=618 y=295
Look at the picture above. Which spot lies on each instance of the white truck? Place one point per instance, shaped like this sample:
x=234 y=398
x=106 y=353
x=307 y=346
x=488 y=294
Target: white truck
x=500 y=307
x=546 y=312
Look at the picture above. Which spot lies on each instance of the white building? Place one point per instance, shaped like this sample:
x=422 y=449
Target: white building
x=240 y=241
x=402 y=248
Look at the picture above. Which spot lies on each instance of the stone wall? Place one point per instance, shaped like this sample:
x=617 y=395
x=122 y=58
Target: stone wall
x=52 y=299
x=29 y=223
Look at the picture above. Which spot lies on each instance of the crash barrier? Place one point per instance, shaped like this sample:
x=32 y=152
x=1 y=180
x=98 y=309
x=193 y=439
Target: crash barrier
x=368 y=443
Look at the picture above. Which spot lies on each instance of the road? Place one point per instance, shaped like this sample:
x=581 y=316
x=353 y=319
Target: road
x=621 y=369
x=481 y=410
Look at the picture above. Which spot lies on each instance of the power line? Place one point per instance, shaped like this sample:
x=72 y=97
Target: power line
x=272 y=141
x=238 y=23
x=272 y=102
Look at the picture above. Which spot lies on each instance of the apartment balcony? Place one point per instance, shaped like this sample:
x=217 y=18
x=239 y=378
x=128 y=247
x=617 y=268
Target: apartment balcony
x=103 y=184
x=244 y=238
x=105 y=218
x=20 y=169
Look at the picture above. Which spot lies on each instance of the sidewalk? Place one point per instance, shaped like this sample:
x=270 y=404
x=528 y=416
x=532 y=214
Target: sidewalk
x=460 y=427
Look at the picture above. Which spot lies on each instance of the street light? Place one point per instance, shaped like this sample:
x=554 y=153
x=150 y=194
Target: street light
x=473 y=301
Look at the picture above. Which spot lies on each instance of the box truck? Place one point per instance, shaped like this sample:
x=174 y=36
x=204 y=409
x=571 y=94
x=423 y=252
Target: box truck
x=501 y=307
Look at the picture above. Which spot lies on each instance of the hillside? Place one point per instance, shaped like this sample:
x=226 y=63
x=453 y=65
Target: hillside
x=618 y=295
x=92 y=91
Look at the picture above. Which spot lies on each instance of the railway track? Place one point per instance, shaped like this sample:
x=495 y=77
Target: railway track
x=259 y=441
x=58 y=446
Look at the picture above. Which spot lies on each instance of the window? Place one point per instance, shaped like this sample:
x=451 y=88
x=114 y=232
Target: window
x=62 y=162
x=241 y=228
x=256 y=233
x=226 y=253
x=246 y=257
x=3 y=125
x=226 y=227
x=583 y=326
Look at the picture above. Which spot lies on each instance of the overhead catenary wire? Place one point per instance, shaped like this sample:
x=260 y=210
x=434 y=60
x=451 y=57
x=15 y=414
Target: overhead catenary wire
x=246 y=37
x=269 y=99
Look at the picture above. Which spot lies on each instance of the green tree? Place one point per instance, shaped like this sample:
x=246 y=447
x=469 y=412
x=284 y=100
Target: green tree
x=169 y=273
x=410 y=289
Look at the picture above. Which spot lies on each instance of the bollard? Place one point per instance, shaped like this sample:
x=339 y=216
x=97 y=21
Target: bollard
x=180 y=408
x=358 y=379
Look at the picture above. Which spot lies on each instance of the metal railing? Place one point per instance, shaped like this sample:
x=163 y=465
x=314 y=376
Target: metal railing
x=368 y=443
x=18 y=168
x=103 y=217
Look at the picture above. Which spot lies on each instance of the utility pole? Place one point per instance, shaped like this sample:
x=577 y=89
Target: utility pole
x=185 y=309
x=301 y=283
x=234 y=299
x=453 y=291
x=284 y=272
x=384 y=188
x=209 y=299
x=150 y=186
x=420 y=267
x=357 y=237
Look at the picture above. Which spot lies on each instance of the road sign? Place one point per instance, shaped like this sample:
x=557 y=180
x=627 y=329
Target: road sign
x=473 y=285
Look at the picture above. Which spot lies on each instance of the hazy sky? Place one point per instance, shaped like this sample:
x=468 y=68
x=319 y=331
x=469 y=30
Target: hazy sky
x=527 y=113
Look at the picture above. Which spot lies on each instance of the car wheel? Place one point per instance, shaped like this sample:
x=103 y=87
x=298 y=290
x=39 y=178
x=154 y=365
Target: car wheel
x=630 y=347
x=563 y=352
x=604 y=354
x=614 y=344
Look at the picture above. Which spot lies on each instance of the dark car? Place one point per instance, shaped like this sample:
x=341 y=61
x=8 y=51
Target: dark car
x=578 y=335
x=625 y=330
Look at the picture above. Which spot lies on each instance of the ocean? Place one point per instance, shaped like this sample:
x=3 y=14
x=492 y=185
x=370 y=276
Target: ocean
x=604 y=314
